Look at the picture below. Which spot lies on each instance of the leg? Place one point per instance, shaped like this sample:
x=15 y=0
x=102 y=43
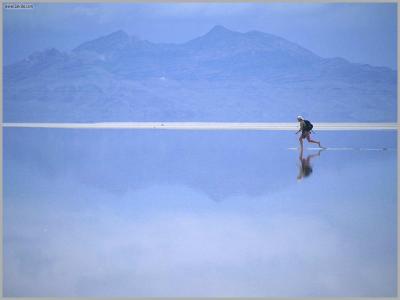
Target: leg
x=312 y=141
x=301 y=143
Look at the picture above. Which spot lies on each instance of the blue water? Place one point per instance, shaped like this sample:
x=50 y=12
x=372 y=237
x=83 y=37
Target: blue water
x=198 y=213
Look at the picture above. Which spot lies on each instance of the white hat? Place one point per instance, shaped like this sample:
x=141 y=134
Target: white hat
x=300 y=118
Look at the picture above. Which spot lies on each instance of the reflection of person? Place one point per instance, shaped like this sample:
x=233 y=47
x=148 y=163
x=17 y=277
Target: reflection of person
x=305 y=132
x=305 y=169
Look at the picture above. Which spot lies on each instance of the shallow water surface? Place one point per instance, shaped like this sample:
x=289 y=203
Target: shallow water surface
x=198 y=213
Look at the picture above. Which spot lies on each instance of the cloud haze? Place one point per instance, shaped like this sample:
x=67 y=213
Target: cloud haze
x=185 y=253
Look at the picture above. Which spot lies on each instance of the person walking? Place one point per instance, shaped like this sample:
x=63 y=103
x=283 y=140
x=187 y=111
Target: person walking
x=305 y=128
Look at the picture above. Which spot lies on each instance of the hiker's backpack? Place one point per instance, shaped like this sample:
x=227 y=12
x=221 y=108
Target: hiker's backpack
x=307 y=125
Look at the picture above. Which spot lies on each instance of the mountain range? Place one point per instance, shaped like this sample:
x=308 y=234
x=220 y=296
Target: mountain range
x=221 y=76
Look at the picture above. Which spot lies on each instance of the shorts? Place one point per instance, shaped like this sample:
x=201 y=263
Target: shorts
x=305 y=134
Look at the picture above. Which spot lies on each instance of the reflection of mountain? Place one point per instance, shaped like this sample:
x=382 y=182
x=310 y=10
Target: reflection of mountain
x=217 y=164
x=222 y=75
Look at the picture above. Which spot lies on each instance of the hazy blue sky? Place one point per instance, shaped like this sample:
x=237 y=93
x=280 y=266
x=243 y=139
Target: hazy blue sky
x=363 y=33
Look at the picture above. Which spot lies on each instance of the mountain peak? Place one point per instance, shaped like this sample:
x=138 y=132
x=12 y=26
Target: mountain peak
x=118 y=34
x=218 y=29
x=47 y=54
x=116 y=39
x=216 y=34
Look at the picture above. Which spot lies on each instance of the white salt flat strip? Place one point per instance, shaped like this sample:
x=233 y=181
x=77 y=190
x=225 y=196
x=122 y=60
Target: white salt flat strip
x=208 y=126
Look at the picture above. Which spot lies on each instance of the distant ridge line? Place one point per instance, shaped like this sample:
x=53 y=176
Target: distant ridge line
x=207 y=126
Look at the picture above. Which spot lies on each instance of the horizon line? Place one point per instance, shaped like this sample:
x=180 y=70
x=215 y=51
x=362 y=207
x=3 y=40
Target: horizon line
x=325 y=126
